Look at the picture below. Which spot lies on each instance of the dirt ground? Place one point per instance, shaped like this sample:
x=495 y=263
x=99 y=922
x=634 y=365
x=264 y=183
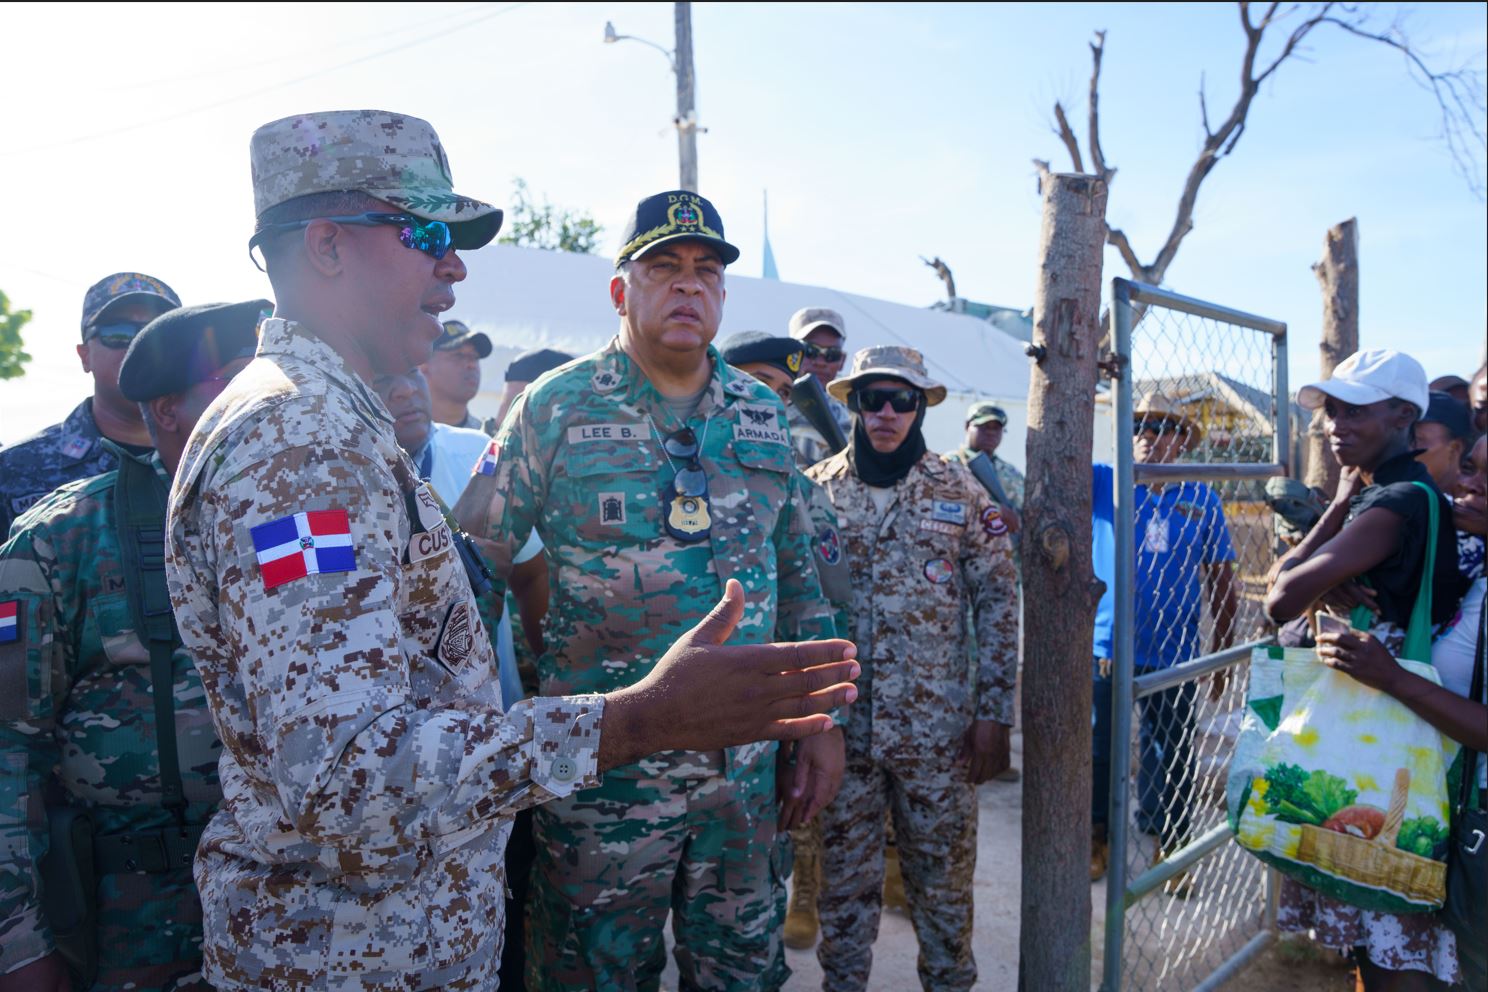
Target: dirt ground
x=1295 y=966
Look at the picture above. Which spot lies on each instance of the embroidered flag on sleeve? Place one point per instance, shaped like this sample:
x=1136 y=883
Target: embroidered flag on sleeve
x=292 y=547
x=487 y=463
x=10 y=621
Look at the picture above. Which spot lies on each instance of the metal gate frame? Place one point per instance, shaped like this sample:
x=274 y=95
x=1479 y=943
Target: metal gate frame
x=1122 y=893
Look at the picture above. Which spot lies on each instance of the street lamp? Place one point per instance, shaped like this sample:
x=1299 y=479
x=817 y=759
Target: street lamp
x=680 y=61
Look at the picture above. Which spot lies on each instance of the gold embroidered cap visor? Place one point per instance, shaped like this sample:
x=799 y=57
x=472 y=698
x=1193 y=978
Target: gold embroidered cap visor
x=393 y=157
x=672 y=216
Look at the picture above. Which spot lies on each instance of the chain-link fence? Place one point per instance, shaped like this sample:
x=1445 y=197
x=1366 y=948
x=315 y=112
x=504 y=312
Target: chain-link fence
x=1201 y=421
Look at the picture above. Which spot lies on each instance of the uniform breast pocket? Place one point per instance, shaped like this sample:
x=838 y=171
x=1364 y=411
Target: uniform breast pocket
x=766 y=471
x=608 y=492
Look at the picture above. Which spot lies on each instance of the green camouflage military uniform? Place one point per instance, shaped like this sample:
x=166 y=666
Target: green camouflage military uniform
x=578 y=459
x=938 y=545
x=369 y=774
x=1011 y=479
x=77 y=724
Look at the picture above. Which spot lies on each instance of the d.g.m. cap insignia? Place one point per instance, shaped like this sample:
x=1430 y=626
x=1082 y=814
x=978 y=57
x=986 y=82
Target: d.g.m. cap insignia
x=671 y=216
x=393 y=157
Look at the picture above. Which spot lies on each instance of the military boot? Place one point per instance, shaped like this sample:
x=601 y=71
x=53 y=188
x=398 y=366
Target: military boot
x=800 y=920
x=893 y=889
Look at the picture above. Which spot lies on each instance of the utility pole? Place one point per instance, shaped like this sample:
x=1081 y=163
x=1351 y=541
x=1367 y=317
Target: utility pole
x=686 y=101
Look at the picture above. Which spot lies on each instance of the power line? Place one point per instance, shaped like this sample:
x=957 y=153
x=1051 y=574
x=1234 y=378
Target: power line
x=283 y=84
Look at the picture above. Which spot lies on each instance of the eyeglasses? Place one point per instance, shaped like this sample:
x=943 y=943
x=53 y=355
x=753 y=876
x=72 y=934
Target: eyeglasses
x=873 y=400
x=825 y=354
x=115 y=335
x=432 y=237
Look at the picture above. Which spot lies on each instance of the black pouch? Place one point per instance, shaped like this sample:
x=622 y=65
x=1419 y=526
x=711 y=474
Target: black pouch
x=70 y=892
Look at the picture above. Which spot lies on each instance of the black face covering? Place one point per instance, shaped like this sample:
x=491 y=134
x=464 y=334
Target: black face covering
x=884 y=470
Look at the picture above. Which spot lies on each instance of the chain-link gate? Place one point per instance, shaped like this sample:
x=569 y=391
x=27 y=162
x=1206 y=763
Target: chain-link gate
x=1186 y=908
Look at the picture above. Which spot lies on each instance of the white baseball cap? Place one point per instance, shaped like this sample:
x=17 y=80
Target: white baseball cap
x=1369 y=376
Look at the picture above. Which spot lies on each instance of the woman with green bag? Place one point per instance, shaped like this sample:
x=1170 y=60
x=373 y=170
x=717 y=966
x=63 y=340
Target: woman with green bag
x=1371 y=555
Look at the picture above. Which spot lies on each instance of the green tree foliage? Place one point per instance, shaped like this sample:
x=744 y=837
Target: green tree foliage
x=546 y=226
x=12 y=357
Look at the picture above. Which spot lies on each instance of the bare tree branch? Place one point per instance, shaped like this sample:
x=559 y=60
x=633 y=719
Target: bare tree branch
x=1042 y=166
x=1117 y=239
x=1067 y=135
x=1097 y=154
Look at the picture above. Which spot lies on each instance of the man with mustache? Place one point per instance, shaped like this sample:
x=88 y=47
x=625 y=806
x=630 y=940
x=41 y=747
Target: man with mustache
x=654 y=472
x=369 y=770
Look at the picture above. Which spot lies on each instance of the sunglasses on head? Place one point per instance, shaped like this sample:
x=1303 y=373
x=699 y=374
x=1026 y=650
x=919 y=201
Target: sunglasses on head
x=824 y=353
x=432 y=237
x=872 y=400
x=116 y=334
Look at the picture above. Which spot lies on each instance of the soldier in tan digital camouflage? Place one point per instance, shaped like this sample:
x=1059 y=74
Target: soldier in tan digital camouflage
x=369 y=772
x=924 y=542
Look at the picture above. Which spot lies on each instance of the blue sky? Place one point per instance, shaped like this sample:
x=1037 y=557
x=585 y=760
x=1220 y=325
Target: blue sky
x=883 y=132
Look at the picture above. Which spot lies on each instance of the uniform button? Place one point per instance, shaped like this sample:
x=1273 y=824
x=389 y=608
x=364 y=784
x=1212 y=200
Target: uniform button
x=564 y=770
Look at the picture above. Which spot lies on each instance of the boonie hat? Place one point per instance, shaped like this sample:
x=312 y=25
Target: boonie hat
x=808 y=319
x=455 y=334
x=747 y=347
x=672 y=216
x=123 y=286
x=888 y=360
x=1155 y=406
x=981 y=413
x=393 y=157
x=1370 y=376
x=185 y=346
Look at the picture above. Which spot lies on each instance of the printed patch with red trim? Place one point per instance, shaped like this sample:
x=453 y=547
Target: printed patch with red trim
x=993 y=523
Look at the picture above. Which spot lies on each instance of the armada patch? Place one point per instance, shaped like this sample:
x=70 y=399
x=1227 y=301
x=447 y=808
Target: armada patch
x=939 y=570
x=609 y=432
x=993 y=523
x=948 y=511
x=759 y=423
x=77 y=446
x=941 y=527
x=605 y=381
x=301 y=544
x=457 y=638
x=10 y=621
x=612 y=508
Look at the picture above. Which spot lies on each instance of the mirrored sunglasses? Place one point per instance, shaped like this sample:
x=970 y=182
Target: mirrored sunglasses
x=432 y=237
x=115 y=334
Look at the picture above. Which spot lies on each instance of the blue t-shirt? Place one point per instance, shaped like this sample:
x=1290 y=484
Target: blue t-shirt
x=1178 y=531
x=1103 y=554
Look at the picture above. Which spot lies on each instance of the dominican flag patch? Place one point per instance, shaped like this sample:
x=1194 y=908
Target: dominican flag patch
x=302 y=544
x=487 y=463
x=10 y=621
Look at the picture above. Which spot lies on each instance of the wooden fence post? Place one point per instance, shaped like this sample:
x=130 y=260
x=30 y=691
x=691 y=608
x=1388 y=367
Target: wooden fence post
x=1338 y=275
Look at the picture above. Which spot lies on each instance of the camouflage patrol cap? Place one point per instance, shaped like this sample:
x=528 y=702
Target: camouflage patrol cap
x=123 y=286
x=983 y=412
x=392 y=157
x=808 y=319
x=456 y=334
x=888 y=361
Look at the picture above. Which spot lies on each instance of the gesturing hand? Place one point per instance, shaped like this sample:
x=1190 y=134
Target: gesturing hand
x=705 y=696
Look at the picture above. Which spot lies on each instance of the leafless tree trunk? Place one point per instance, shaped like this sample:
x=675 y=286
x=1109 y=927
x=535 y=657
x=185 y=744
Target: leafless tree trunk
x=1060 y=590
x=1338 y=275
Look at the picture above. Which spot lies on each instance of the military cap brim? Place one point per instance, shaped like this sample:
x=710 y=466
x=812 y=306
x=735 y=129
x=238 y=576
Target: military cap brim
x=676 y=215
x=527 y=366
x=185 y=346
x=452 y=339
x=749 y=347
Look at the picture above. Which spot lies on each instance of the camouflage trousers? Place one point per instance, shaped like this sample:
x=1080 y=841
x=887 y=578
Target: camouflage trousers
x=612 y=861
x=149 y=933
x=933 y=809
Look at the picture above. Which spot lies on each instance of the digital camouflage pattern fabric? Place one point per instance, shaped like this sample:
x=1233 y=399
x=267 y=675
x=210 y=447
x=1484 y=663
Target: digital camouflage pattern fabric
x=809 y=445
x=938 y=546
x=579 y=458
x=1008 y=475
x=369 y=773
x=77 y=725
x=59 y=454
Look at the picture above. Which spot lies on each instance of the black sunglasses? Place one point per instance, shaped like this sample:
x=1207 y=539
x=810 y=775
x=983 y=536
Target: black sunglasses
x=116 y=334
x=1158 y=427
x=826 y=354
x=873 y=400
x=688 y=488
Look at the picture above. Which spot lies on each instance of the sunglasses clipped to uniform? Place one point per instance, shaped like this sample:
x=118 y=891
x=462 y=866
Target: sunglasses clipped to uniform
x=904 y=400
x=432 y=237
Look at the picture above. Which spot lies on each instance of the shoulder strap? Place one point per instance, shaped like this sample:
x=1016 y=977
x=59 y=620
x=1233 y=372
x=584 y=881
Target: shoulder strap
x=139 y=511
x=1418 y=634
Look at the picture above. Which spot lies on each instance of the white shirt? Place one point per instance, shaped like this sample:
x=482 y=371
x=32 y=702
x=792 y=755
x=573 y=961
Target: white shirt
x=1452 y=654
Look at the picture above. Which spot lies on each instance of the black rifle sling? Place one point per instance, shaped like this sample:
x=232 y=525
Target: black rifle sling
x=139 y=510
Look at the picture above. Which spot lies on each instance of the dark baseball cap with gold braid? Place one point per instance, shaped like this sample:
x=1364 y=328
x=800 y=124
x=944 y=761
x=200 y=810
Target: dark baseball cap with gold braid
x=672 y=216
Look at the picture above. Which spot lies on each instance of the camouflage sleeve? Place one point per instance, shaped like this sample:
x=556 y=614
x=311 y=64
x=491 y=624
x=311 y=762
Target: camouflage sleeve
x=803 y=611
x=33 y=669
x=501 y=501
x=830 y=556
x=327 y=671
x=992 y=581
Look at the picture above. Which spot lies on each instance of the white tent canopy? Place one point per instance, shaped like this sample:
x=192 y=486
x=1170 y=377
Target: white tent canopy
x=526 y=298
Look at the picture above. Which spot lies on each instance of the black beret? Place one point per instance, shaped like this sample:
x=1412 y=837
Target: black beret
x=1443 y=409
x=757 y=346
x=530 y=364
x=186 y=345
x=672 y=216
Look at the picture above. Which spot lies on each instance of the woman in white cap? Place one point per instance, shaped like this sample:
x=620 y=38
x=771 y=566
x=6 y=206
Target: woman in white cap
x=1375 y=532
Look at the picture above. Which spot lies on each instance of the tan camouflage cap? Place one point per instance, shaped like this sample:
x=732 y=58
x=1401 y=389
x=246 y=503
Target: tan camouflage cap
x=808 y=319
x=891 y=360
x=393 y=157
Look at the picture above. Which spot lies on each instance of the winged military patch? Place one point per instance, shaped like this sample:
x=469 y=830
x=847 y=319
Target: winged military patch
x=310 y=543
